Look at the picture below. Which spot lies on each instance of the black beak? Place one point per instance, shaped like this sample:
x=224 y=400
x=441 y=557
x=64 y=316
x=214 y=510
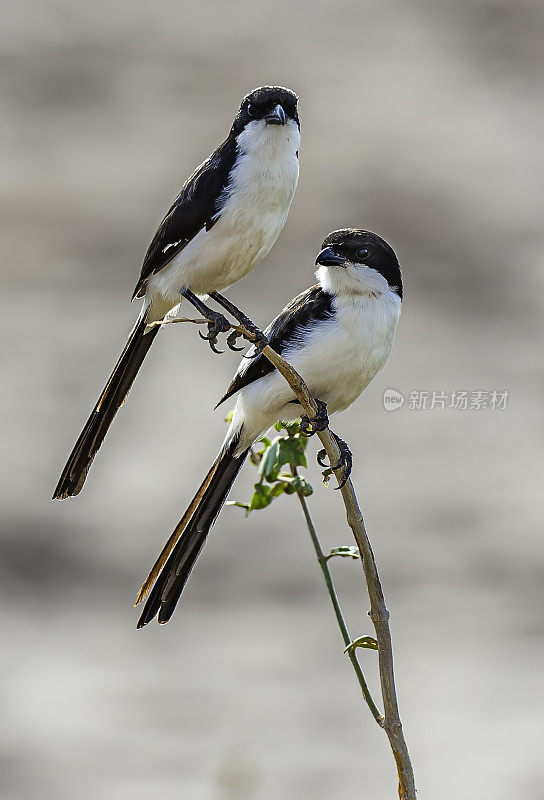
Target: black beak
x=276 y=117
x=328 y=258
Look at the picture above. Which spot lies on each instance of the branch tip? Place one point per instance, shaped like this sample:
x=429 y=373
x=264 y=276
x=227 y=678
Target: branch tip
x=378 y=612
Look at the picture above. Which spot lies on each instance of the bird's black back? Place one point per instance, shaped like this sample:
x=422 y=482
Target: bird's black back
x=312 y=305
x=194 y=208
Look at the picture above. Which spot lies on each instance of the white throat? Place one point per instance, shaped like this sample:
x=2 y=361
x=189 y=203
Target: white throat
x=269 y=143
x=352 y=279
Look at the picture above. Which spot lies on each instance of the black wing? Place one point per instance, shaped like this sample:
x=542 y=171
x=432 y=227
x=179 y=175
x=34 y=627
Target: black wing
x=193 y=209
x=312 y=305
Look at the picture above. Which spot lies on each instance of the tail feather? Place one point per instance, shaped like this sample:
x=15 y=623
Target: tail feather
x=184 y=546
x=110 y=401
x=172 y=541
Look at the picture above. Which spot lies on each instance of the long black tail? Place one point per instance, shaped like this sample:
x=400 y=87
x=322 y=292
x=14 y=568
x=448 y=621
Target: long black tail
x=181 y=551
x=110 y=401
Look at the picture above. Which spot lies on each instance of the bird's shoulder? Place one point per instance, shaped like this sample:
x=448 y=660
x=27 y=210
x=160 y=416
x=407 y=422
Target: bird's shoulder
x=195 y=207
x=309 y=307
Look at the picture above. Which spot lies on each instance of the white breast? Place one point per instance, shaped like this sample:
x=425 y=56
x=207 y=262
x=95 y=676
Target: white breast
x=341 y=359
x=337 y=360
x=256 y=203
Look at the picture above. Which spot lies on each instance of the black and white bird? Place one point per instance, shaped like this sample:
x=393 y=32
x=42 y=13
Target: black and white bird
x=223 y=223
x=338 y=335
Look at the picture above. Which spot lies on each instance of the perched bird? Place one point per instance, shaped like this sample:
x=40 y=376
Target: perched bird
x=223 y=223
x=337 y=335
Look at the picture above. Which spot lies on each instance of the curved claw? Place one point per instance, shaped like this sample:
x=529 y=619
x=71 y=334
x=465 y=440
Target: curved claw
x=346 y=461
x=252 y=355
x=232 y=338
x=211 y=338
x=305 y=427
x=344 y=481
x=259 y=347
x=319 y=458
x=217 y=323
x=319 y=423
x=322 y=454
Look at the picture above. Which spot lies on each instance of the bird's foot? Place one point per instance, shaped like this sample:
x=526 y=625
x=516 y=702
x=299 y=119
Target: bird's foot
x=346 y=460
x=260 y=341
x=217 y=324
x=318 y=423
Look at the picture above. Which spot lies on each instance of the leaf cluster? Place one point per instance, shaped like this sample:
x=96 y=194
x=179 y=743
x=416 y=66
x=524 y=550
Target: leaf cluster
x=284 y=450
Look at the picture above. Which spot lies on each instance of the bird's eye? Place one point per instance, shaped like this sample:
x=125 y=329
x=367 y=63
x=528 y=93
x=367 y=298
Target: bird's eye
x=363 y=253
x=251 y=110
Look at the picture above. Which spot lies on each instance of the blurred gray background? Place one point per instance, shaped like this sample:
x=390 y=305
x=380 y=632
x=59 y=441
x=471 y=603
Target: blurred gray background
x=421 y=121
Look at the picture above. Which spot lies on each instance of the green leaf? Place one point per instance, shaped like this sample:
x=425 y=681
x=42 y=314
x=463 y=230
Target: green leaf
x=282 y=450
x=292 y=428
x=291 y=451
x=363 y=641
x=344 y=552
x=270 y=463
x=261 y=497
x=256 y=456
x=270 y=460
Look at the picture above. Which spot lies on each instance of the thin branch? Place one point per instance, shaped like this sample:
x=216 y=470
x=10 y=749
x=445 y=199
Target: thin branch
x=199 y=321
x=323 y=563
x=378 y=610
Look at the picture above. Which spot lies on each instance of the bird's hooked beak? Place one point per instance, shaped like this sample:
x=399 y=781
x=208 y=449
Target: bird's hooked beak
x=328 y=258
x=276 y=117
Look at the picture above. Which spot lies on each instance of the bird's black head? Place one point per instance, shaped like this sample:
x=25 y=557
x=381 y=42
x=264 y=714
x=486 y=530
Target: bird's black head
x=275 y=105
x=352 y=246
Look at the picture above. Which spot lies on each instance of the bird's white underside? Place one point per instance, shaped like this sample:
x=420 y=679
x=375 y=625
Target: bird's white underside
x=337 y=358
x=256 y=204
